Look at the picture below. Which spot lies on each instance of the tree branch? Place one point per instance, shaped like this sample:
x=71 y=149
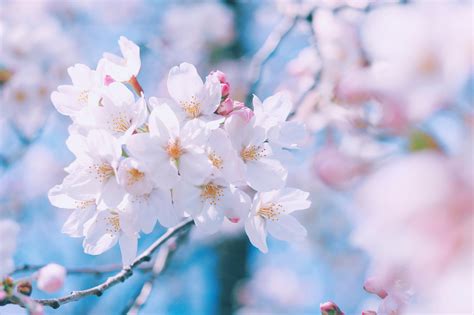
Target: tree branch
x=160 y=264
x=122 y=275
x=268 y=49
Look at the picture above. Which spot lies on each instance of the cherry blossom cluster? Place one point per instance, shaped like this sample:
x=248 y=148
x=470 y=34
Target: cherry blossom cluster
x=193 y=153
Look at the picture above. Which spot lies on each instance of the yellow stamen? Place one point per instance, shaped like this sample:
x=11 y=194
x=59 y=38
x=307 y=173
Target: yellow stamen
x=192 y=108
x=83 y=204
x=212 y=193
x=134 y=176
x=113 y=223
x=102 y=172
x=252 y=153
x=270 y=211
x=83 y=97
x=174 y=149
x=120 y=123
x=216 y=160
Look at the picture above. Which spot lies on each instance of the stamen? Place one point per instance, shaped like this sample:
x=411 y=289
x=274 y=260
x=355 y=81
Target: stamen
x=83 y=204
x=252 y=153
x=216 y=160
x=192 y=108
x=212 y=193
x=83 y=97
x=113 y=223
x=102 y=171
x=271 y=211
x=119 y=123
x=174 y=149
x=20 y=96
x=134 y=176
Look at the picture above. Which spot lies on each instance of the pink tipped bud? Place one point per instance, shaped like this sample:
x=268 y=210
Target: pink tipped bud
x=371 y=285
x=3 y=295
x=369 y=313
x=108 y=80
x=225 y=90
x=234 y=220
x=244 y=113
x=330 y=308
x=51 y=278
x=225 y=86
x=220 y=75
x=226 y=107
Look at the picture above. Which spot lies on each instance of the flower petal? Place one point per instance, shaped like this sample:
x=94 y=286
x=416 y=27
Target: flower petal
x=256 y=232
x=286 y=228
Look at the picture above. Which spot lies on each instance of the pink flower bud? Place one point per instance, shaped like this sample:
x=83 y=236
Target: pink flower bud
x=371 y=285
x=2 y=295
x=226 y=107
x=238 y=105
x=220 y=75
x=225 y=90
x=244 y=113
x=369 y=312
x=51 y=278
x=330 y=308
x=108 y=80
x=234 y=220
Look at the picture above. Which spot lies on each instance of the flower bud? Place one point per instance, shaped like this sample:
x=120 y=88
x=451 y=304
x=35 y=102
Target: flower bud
x=3 y=295
x=244 y=113
x=24 y=287
x=51 y=277
x=225 y=86
x=108 y=80
x=369 y=312
x=371 y=285
x=226 y=107
x=330 y=308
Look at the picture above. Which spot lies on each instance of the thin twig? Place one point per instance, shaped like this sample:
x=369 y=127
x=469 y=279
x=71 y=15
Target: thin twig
x=160 y=264
x=268 y=49
x=122 y=275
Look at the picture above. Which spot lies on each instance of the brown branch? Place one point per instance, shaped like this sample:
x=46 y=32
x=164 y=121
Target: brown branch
x=159 y=266
x=122 y=275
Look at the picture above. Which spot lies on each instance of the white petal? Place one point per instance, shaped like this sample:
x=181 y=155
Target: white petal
x=194 y=167
x=166 y=212
x=112 y=194
x=210 y=96
x=286 y=228
x=128 y=248
x=163 y=120
x=187 y=198
x=74 y=225
x=97 y=237
x=256 y=232
x=293 y=199
x=265 y=174
x=184 y=82
x=210 y=219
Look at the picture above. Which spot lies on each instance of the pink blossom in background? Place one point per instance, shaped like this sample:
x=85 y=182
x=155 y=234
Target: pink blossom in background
x=51 y=278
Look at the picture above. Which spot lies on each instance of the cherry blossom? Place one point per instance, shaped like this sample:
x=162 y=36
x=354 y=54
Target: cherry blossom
x=270 y=213
x=124 y=68
x=51 y=278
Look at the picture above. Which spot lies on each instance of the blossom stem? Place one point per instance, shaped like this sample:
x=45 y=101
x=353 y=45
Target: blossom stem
x=136 y=86
x=121 y=276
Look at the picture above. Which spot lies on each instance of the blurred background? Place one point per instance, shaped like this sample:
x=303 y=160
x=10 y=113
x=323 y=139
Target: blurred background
x=384 y=87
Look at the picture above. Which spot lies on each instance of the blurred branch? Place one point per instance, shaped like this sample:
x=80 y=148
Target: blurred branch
x=160 y=264
x=80 y=270
x=122 y=275
x=268 y=49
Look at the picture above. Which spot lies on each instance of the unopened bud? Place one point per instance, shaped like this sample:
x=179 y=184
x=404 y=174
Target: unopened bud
x=330 y=308
x=244 y=113
x=51 y=277
x=371 y=285
x=24 y=287
x=226 y=107
x=369 y=312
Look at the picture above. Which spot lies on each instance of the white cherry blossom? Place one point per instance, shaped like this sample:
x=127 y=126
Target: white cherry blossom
x=85 y=91
x=169 y=150
x=210 y=202
x=124 y=68
x=262 y=171
x=106 y=228
x=270 y=213
x=193 y=98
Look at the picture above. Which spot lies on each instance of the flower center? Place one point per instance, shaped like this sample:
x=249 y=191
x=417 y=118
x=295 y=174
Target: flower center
x=20 y=96
x=252 y=153
x=174 y=149
x=192 y=108
x=113 y=223
x=83 y=204
x=216 y=160
x=83 y=97
x=212 y=193
x=120 y=123
x=270 y=211
x=134 y=176
x=102 y=172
